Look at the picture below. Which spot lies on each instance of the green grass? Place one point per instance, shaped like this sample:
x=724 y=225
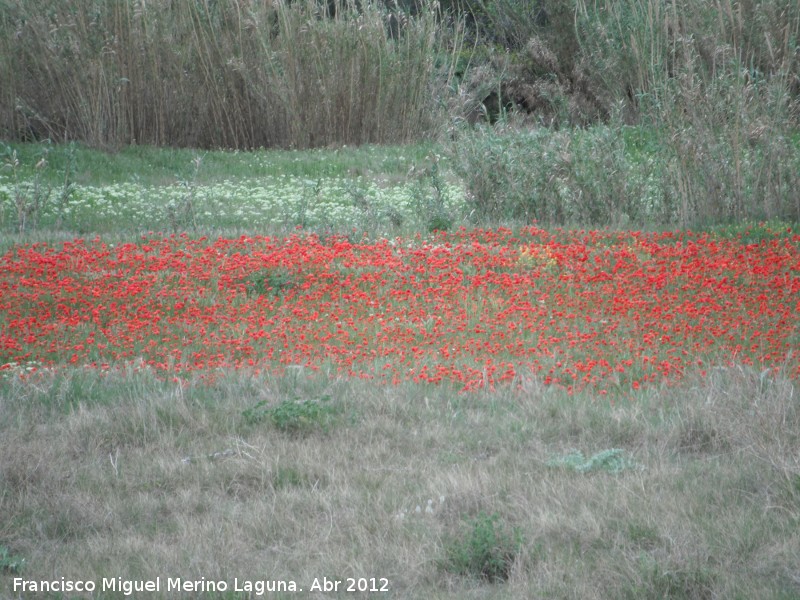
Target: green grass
x=293 y=415
x=153 y=166
x=487 y=550
x=601 y=176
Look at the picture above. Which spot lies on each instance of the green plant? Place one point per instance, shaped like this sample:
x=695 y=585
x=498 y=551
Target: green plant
x=486 y=550
x=29 y=198
x=32 y=196
x=10 y=563
x=431 y=196
x=181 y=212
x=556 y=177
x=613 y=460
x=275 y=281
x=293 y=415
x=752 y=232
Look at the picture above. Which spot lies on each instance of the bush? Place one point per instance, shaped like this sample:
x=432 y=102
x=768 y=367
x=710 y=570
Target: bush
x=555 y=177
x=273 y=281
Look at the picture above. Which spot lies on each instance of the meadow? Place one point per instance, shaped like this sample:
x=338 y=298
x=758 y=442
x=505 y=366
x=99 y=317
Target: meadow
x=468 y=299
x=505 y=412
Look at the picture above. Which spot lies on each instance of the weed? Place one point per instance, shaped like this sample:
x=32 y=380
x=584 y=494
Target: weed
x=432 y=199
x=10 y=563
x=293 y=415
x=613 y=460
x=181 y=212
x=487 y=550
x=29 y=199
x=33 y=197
x=276 y=281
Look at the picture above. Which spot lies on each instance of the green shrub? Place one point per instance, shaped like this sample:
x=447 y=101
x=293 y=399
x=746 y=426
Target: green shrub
x=487 y=550
x=555 y=177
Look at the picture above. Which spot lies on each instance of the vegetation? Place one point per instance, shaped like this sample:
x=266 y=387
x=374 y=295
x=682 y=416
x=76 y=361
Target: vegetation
x=486 y=551
x=229 y=73
x=293 y=415
x=711 y=98
x=306 y=291
x=422 y=485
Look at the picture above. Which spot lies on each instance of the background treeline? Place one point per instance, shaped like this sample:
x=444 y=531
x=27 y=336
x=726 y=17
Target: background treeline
x=675 y=111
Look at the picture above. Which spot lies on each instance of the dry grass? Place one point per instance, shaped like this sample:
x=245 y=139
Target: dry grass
x=107 y=477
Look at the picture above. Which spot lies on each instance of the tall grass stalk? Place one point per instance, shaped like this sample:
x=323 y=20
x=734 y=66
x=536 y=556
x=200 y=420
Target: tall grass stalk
x=228 y=74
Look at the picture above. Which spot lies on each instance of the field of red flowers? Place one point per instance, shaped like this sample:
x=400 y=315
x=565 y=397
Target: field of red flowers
x=601 y=310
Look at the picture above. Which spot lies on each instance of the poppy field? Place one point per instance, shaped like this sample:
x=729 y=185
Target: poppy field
x=277 y=368
x=607 y=312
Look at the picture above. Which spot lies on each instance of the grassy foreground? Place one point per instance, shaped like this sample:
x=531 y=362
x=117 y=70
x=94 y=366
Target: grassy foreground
x=688 y=492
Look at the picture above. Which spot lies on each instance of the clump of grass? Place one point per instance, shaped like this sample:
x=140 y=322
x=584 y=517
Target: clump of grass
x=487 y=549
x=34 y=197
x=293 y=415
x=432 y=197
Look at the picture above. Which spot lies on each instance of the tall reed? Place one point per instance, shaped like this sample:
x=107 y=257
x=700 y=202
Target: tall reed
x=220 y=73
